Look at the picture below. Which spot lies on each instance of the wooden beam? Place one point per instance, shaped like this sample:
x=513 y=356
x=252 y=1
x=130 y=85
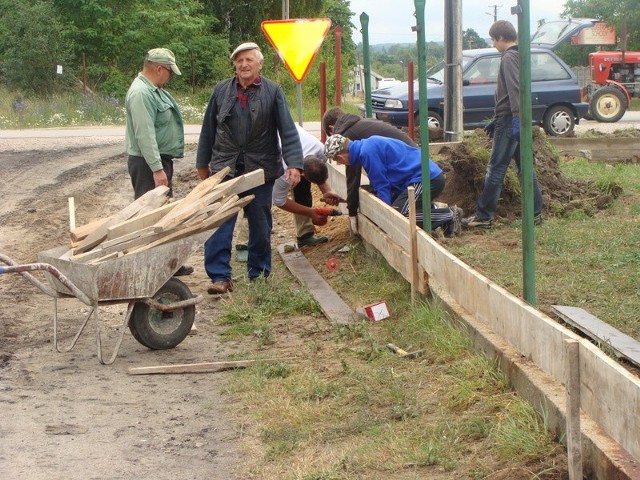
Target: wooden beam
x=156 y=198
x=623 y=345
x=333 y=307
x=209 y=367
x=140 y=221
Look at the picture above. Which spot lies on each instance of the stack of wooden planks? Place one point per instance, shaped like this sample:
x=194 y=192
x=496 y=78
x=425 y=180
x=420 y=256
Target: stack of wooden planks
x=152 y=220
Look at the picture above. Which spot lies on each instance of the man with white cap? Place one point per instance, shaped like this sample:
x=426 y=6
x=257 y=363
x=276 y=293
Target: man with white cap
x=244 y=118
x=154 y=134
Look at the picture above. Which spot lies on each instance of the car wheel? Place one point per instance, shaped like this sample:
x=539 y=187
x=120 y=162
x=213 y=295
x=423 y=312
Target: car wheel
x=608 y=104
x=558 y=121
x=435 y=120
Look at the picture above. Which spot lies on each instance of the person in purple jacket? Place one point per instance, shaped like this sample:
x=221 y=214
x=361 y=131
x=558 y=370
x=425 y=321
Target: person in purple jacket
x=392 y=166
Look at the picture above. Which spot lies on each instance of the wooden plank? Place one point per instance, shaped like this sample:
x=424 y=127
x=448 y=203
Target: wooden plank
x=212 y=222
x=609 y=149
x=103 y=251
x=208 y=367
x=207 y=185
x=155 y=197
x=191 y=207
x=140 y=221
x=392 y=222
x=334 y=308
x=79 y=233
x=623 y=345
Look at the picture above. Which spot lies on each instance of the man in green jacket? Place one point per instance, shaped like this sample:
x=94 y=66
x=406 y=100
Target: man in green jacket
x=155 y=130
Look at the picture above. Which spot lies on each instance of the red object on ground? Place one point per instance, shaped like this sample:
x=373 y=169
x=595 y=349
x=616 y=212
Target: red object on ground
x=332 y=264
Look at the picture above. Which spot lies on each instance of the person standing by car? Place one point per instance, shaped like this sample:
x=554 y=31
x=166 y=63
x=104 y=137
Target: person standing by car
x=154 y=134
x=505 y=129
x=245 y=115
x=336 y=121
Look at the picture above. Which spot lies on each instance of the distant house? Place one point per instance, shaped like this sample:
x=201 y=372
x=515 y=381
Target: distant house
x=357 y=77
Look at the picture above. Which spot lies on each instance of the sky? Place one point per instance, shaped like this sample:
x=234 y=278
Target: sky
x=390 y=21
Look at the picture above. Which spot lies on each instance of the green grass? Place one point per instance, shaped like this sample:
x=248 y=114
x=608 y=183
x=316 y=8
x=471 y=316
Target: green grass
x=76 y=109
x=585 y=261
x=251 y=313
x=348 y=408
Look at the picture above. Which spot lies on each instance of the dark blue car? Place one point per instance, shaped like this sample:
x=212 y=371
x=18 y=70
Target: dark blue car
x=556 y=94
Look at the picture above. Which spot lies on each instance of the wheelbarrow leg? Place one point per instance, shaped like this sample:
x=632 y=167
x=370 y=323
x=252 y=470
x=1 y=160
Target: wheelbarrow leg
x=120 y=337
x=55 y=328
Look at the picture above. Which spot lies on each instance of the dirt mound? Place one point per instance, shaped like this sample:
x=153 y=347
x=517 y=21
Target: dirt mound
x=465 y=164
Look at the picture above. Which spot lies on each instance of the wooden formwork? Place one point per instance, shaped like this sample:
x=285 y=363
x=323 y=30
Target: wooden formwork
x=528 y=343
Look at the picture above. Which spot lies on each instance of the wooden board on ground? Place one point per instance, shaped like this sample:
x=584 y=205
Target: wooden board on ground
x=209 y=367
x=334 y=308
x=623 y=345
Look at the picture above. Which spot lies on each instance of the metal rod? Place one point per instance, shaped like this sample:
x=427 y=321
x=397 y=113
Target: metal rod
x=169 y=307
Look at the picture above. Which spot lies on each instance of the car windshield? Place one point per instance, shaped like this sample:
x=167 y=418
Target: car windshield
x=436 y=73
x=551 y=32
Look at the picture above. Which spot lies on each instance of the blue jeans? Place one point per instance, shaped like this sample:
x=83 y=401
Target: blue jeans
x=505 y=147
x=217 y=249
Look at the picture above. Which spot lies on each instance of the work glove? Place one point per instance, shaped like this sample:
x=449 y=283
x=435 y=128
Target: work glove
x=490 y=127
x=515 y=123
x=353 y=225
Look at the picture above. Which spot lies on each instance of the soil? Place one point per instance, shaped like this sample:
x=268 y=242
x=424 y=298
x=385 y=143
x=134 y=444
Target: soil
x=67 y=416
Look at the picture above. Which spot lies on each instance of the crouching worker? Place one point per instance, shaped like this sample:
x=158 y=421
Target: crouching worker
x=315 y=171
x=392 y=166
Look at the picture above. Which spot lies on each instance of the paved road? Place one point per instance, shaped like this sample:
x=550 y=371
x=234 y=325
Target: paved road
x=629 y=120
x=104 y=131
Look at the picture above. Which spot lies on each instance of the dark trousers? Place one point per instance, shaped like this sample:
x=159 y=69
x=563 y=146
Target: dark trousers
x=142 y=176
x=439 y=216
x=217 y=249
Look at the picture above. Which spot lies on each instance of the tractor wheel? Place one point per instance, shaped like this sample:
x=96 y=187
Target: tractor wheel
x=608 y=104
x=159 y=330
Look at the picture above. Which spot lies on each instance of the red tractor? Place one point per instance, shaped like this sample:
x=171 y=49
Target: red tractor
x=615 y=80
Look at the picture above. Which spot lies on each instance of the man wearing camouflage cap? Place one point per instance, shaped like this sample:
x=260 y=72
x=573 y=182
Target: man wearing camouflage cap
x=154 y=133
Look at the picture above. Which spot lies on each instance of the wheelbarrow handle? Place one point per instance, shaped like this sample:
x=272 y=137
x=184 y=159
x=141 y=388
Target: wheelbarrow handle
x=32 y=267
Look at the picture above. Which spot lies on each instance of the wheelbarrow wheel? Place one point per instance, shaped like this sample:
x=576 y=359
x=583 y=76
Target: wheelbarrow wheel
x=159 y=330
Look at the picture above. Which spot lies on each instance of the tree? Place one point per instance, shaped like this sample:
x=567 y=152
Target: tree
x=471 y=39
x=33 y=43
x=114 y=35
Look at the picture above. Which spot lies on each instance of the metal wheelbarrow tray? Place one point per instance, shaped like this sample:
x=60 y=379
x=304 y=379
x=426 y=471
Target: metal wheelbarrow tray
x=161 y=308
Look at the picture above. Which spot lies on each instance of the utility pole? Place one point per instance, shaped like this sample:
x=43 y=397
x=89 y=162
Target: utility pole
x=495 y=12
x=453 y=130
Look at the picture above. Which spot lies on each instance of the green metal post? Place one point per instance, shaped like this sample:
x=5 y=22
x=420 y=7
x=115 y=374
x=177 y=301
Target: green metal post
x=526 y=154
x=424 y=123
x=364 y=22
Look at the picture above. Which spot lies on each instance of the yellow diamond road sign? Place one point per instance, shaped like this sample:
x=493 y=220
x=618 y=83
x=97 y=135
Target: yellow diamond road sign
x=297 y=41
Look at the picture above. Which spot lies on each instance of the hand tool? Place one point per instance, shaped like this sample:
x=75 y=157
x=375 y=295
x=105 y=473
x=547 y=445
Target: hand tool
x=331 y=212
x=403 y=353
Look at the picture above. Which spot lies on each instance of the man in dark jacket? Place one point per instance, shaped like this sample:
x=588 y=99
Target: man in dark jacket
x=244 y=117
x=353 y=127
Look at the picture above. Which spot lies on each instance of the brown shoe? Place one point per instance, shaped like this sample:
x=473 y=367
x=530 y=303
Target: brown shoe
x=219 y=287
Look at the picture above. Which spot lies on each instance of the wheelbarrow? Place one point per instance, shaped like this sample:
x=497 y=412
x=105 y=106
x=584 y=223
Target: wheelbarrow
x=161 y=308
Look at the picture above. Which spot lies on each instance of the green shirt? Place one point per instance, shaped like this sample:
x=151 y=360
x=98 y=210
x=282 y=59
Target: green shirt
x=154 y=123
